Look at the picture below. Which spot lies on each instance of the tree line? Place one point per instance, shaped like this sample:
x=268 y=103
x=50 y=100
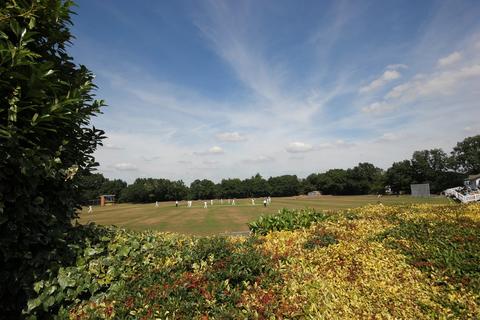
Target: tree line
x=436 y=167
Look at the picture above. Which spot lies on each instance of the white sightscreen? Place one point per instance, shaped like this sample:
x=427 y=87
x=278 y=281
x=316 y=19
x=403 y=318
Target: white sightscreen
x=420 y=190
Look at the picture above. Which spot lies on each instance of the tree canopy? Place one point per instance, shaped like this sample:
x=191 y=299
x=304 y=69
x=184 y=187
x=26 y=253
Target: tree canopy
x=45 y=139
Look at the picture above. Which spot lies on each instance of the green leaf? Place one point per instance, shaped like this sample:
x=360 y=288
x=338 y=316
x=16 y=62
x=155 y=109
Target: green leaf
x=31 y=23
x=38 y=200
x=123 y=252
x=32 y=304
x=49 y=302
x=34 y=118
x=24 y=31
x=64 y=279
x=38 y=286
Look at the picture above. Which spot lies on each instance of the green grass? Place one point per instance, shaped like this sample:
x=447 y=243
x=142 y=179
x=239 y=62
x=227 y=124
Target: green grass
x=219 y=218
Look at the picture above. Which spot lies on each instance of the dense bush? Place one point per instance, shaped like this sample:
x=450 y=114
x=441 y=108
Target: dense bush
x=127 y=274
x=286 y=219
x=45 y=138
x=398 y=262
x=410 y=262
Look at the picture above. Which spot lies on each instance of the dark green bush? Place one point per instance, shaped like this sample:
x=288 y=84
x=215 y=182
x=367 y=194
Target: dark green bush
x=287 y=219
x=45 y=138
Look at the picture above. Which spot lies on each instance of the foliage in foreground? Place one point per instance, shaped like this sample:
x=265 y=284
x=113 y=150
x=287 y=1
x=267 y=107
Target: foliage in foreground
x=403 y=262
x=45 y=138
x=151 y=275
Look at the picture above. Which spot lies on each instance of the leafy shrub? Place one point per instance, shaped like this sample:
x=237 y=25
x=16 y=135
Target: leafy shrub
x=286 y=219
x=445 y=243
x=321 y=238
x=376 y=260
x=152 y=274
x=404 y=262
x=46 y=104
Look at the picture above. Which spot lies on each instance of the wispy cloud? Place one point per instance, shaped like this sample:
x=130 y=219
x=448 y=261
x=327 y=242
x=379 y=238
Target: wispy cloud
x=111 y=146
x=437 y=83
x=386 y=77
x=215 y=150
x=258 y=159
x=231 y=137
x=289 y=77
x=298 y=147
x=396 y=66
x=210 y=162
x=151 y=158
x=450 y=59
x=388 y=137
x=340 y=143
x=124 y=166
x=378 y=107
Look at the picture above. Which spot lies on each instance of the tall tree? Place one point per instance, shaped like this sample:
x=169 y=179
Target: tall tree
x=399 y=176
x=427 y=164
x=45 y=138
x=256 y=186
x=203 y=189
x=365 y=178
x=90 y=186
x=231 y=188
x=466 y=155
x=432 y=166
x=284 y=186
x=333 y=181
x=114 y=187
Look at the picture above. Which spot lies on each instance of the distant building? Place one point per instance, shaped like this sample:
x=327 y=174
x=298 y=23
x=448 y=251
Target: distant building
x=420 y=190
x=107 y=199
x=314 y=193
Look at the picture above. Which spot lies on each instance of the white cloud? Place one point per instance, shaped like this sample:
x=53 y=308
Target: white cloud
x=472 y=129
x=396 y=66
x=377 y=107
x=125 y=166
x=210 y=162
x=175 y=120
x=397 y=91
x=340 y=143
x=111 y=146
x=215 y=150
x=258 y=159
x=439 y=83
x=450 y=59
x=152 y=158
x=387 y=76
x=231 y=137
x=298 y=147
x=388 y=137
x=234 y=37
x=296 y=158
x=343 y=144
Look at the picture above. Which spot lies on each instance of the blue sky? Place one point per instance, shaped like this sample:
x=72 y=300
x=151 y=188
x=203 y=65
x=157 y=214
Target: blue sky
x=219 y=89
